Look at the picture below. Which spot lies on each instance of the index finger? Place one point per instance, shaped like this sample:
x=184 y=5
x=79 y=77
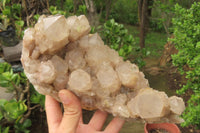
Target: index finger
x=114 y=126
x=53 y=112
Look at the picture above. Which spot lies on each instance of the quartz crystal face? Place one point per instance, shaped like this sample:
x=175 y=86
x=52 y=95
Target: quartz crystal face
x=59 y=53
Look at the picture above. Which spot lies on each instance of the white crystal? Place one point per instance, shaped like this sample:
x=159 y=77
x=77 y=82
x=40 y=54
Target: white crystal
x=60 y=53
x=80 y=81
x=51 y=34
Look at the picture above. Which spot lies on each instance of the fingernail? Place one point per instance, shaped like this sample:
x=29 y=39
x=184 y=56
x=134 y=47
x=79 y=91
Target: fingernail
x=64 y=98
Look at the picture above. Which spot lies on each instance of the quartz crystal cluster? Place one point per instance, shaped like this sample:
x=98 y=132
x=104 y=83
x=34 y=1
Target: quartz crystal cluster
x=59 y=53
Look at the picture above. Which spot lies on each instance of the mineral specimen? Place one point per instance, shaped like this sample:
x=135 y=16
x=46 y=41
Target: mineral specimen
x=59 y=53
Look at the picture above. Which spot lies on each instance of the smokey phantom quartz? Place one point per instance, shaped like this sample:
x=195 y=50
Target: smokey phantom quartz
x=59 y=53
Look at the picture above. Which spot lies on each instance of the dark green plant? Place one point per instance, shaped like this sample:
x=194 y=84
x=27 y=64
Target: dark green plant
x=82 y=9
x=15 y=112
x=186 y=26
x=11 y=15
x=4 y=129
x=116 y=36
x=54 y=11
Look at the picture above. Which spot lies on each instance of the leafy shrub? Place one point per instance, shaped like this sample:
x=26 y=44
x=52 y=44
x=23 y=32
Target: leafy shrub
x=11 y=15
x=116 y=36
x=186 y=26
x=54 y=11
x=15 y=112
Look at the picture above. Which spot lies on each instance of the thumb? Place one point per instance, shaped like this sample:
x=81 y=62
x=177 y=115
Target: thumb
x=72 y=111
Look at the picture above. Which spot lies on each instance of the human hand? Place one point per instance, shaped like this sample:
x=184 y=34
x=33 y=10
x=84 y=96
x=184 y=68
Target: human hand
x=71 y=120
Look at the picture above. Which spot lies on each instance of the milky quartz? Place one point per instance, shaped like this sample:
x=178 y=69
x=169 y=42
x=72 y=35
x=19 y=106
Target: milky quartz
x=59 y=53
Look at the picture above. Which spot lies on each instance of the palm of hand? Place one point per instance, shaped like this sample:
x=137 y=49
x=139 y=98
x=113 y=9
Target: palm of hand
x=71 y=120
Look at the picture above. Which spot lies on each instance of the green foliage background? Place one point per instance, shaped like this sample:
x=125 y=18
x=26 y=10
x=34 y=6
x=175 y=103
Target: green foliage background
x=15 y=112
x=186 y=26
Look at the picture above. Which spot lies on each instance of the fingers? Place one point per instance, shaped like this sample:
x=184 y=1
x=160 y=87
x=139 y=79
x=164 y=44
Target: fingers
x=114 y=126
x=53 y=112
x=72 y=111
x=81 y=118
x=98 y=120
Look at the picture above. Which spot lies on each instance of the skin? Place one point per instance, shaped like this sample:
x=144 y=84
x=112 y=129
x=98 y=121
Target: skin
x=71 y=120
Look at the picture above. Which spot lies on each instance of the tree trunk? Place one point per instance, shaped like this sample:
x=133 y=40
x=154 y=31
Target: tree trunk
x=92 y=14
x=139 y=10
x=143 y=22
x=75 y=6
x=108 y=7
x=61 y=3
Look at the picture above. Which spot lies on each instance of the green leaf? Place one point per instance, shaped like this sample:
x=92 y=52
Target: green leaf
x=27 y=123
x=6 y=130
x=26 y=131
x=4 y=67
x=37 y=98
x=121 y=52
x=198 y=45
x=2 y=102
x=16 y=7
x=7 y=11
x=130 y=48
x=7 y=75
x=1 y=115
x=4 y=82
x=4 y=3
x=36 y=17
x=15 y=109
x=19 y=23
x=112 y=21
